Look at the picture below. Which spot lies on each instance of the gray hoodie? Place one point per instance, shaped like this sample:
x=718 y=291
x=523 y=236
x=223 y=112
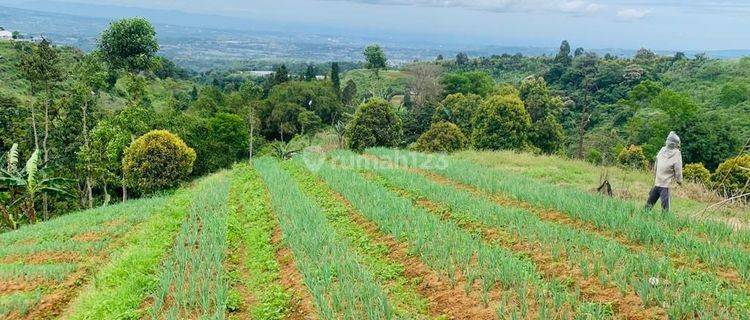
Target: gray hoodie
x=669 y=162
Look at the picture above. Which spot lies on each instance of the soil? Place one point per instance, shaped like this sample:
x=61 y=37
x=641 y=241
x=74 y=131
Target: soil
x=302 y=307
x=44 y=257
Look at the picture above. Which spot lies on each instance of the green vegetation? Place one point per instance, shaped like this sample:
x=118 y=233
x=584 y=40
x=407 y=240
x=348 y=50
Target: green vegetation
x=156 y=161
x=442 y=137
x=374 y=124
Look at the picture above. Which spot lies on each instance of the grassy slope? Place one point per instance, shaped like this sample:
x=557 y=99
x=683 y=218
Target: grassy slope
x=632 y=185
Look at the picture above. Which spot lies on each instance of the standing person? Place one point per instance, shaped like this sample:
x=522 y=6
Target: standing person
x=668 y=168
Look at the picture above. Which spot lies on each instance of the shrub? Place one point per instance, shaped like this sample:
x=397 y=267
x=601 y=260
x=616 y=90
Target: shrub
x=442 y=137
x=732 y=176
x=696 y=172
x=374 y=124
x=501 y=122
x=157 y=160
x=458 y=109
x=632 y=157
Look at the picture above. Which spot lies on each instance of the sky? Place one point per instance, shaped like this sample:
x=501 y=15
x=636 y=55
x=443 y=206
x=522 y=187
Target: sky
x=655 y=24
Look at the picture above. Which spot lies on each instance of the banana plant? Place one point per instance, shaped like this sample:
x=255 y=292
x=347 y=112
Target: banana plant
x=23 y=185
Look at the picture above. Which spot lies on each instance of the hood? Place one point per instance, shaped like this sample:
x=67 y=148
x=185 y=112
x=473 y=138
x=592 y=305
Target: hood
x=673 y=141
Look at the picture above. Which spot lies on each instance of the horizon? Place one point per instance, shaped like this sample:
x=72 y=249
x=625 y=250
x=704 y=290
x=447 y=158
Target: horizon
x=345 y=18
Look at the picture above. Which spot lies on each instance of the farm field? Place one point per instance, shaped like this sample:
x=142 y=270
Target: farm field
x=386 y=234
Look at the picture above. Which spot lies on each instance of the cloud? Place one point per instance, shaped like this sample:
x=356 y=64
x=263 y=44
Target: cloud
x=633 y=13
x=567 y=6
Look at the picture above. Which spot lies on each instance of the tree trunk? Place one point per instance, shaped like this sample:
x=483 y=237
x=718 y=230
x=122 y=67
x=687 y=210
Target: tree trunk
x=45 y=204
x=89 y=193
x=252 y=139
x=584 y=121
x=33 y=125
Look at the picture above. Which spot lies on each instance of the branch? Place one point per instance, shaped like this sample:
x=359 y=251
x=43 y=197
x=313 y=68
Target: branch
x=702 y=212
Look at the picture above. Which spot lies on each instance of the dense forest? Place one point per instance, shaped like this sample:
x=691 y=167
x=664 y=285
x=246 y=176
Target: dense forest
x=73 y=124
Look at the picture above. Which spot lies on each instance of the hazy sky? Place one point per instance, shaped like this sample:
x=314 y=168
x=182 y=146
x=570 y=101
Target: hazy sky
x=657 y=24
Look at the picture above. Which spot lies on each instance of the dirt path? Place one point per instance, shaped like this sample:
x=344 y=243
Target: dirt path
x=302 y=306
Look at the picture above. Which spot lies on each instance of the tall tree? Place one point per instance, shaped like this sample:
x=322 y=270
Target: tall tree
x=129 y=45
x=349 y=93
x=375 y=58
x=462 y=59
x=41 y=67
x=310 y=73
x=336 y=78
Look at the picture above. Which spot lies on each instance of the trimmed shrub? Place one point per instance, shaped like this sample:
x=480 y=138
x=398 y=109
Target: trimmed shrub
x=632 y=157
x=458 y=109
x=374 y=124
x=501 y=122
x=157 y=160
x=732 y=176
x=442 y=137
x=696 y=172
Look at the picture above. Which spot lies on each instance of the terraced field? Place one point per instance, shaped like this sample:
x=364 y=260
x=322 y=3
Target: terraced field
x=385 y=234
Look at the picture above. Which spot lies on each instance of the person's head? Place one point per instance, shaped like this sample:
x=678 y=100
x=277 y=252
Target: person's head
x=673 y=141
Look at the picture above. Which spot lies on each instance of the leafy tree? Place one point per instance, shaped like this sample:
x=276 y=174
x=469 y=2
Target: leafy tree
x=501 y=122
x=462 y=59
x=696 y=172
x=442 y=137
x=732 y=177
x=547 y=134
x=417 y=120
x=310 y=73
x=734 y=93
x=709 y=140
x=563 y=55
x=632 y=157
x=458 y=109
x=316 y=96
x=475 y=82
x=349 y=93
x=336 y=79
x=129 y=44
x=538 y=100
x=157 y=160
x=375 y=58
x=374 y=124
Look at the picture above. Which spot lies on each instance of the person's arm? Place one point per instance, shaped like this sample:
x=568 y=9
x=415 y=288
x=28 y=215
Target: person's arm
x=678 y=171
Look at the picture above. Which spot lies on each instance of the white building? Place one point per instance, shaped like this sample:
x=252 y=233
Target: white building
x=6 y=35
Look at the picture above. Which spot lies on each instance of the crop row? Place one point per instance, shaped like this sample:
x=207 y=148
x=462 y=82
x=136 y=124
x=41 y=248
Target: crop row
x=192 y=283
x=610 y=214
x=447 y=248
x=254 y=272
x=682 y=294
x=373 y=252
x=339 y=284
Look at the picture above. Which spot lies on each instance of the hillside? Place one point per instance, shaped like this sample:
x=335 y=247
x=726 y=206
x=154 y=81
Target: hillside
x=409 y=235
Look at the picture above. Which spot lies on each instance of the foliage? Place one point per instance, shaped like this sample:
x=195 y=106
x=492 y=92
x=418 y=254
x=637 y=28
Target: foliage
x=218 y=141
x=375 y=58
x=474 y=82
x=458 y=109
x=374 y=124
x=732 y=177
x=696 y=172
x=632 y=157
x=442 y=137
x=501 y=122
x=417 y=120
x=129 y=44
x=547 y=134
x=156 y=161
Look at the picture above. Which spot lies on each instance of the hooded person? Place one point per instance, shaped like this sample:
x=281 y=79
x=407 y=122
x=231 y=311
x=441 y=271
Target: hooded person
x=668 y=169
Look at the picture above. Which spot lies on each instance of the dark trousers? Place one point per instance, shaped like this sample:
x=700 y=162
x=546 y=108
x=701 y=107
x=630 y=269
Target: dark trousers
x=655 y=194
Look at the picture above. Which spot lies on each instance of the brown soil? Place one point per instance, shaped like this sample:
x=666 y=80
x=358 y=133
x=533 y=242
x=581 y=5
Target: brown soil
x=302 y=307
x=44 y=257
x=13 y=286
x=89 y=236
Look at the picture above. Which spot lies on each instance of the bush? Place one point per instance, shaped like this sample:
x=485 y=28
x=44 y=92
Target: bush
x=442 y=137
x=501 y=122
x=157 y=160
x=732 y=176
x=458 y=109
x=374 y=124
x=696 y=172
x=632 y=157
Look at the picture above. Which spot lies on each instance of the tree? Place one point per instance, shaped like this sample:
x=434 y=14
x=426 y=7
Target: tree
x=24 y=184
x=424 y=84
x=336 y=79
x=374 y=124
x=547 y=134
x=417 y=120
x=129 y=44
x=156 y=161
x=474 y=82
x=42 y=68
x=280 y=75
x=632 y=157
x=439 y=57
x=563 y=55
x=538 y=100
x=442 y=137
x=458 y=109
x=310 y=73
x=375 y=58
x=501 y=123
x=349 y=93
x=462 y=59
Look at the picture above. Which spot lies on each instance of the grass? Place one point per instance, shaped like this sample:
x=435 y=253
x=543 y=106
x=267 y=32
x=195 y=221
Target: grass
x=119 y=288
x=192 y=282
x=20 y=302
x=339 y=285
x=252 y=253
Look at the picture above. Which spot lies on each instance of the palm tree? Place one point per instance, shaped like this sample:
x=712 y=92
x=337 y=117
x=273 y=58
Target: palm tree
x=24 y=184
